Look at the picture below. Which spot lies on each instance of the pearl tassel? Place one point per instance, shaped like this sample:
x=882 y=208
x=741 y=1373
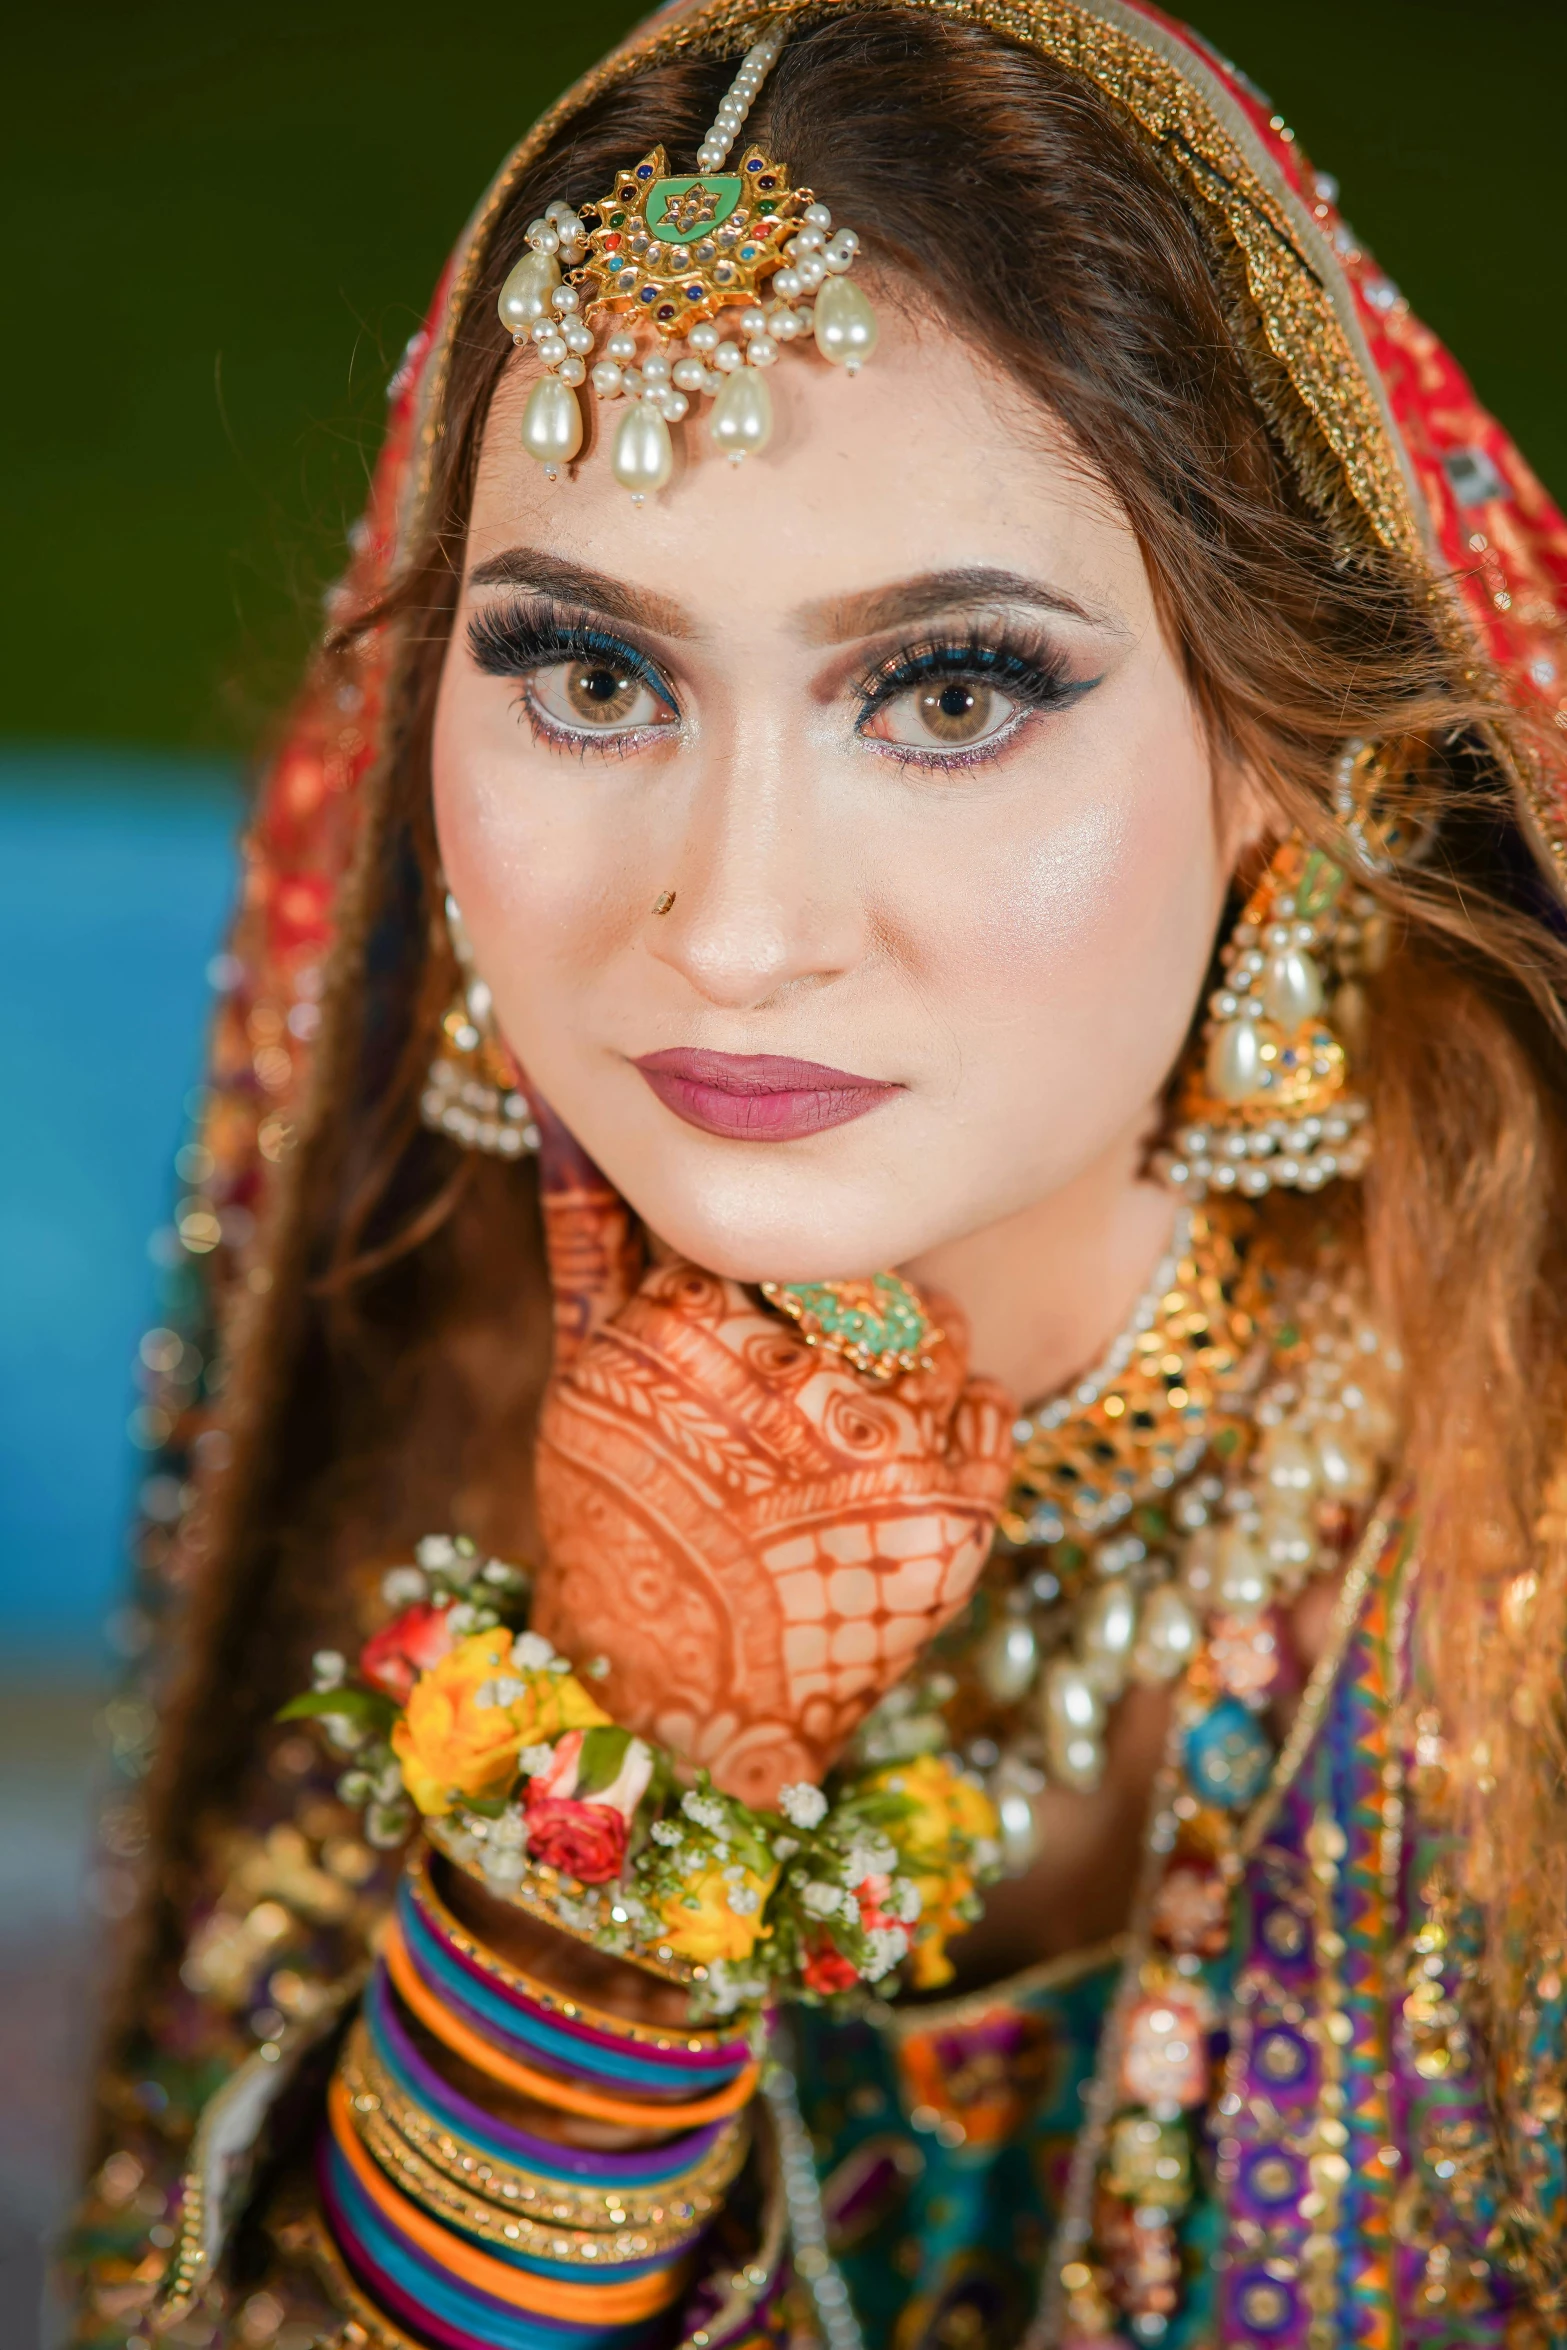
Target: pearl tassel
x=755 y=67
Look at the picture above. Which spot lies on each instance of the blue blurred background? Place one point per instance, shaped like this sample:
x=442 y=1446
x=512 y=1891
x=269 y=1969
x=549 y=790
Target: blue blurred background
x=219 y=229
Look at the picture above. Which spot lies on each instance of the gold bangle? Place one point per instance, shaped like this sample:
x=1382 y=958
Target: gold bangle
x=603 y=2302
x=546 y=2088
x=602 y=2249
x=695 y=2194
x=696 y=2039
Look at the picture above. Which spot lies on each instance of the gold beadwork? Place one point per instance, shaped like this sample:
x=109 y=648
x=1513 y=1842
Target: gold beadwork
x=1103 y=1445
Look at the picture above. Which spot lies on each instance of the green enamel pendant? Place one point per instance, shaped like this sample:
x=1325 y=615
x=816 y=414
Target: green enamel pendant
x=878 y=1326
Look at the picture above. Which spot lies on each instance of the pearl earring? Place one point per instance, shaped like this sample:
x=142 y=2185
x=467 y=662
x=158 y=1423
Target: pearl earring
x=471 y=1093
x=670 y=254
x=1268 y=1103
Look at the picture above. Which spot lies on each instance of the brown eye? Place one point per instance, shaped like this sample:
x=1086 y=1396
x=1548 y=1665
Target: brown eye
x=947 y=714
x=957 y=712
x=600 y=693
x=594 y=695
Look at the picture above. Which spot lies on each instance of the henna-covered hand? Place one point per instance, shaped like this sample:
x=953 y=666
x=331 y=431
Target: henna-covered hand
x=755 y=1538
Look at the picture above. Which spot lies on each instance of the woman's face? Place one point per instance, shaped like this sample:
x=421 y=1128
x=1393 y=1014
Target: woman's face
x=886 y=719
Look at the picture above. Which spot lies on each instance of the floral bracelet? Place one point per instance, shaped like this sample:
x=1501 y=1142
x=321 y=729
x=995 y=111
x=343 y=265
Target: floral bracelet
x=459 y=1713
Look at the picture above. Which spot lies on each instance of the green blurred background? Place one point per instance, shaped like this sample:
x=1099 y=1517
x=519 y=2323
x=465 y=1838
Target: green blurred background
x=220 y=226
x=223 y=223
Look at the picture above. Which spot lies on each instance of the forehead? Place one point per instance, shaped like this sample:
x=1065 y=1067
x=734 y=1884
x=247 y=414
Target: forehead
x=929 y=460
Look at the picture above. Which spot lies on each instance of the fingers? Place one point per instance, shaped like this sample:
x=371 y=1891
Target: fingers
x=592 y=1239
x=981 y=1448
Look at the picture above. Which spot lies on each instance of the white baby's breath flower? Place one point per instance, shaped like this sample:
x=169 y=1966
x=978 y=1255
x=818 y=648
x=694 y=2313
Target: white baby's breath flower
x=436 y=1553
x=532 y=1653
x=802 y=1804
x=509 y=1831
x=463 y=1619
x=785 y=1847
x=535 y=1759
x=888 y=1944
x=328 y=1668
x=503 y=1690
x=903 y=1901
x=744 y=1900
x=404 y=1586
x=828 y=1901
x=874 y=1859
x=706 y=1810
x=665 y=1832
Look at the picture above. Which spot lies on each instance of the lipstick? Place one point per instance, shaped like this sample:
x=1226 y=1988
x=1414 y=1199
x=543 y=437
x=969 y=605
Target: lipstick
x=759 y=1097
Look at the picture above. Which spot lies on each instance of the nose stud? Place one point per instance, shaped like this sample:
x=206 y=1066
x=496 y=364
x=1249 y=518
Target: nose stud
x=664 y=900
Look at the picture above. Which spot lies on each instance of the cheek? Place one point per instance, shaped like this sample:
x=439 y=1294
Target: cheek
x=1070 y=944
x=544 y=884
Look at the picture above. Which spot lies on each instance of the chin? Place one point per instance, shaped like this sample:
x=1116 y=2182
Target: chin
x=769 y=1224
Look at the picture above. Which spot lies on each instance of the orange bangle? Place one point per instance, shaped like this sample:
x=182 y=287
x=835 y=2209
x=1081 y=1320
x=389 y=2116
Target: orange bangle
x=509 y=2072
x=599 y=2302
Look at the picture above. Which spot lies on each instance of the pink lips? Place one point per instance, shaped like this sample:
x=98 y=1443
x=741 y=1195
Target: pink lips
x=758 y=1097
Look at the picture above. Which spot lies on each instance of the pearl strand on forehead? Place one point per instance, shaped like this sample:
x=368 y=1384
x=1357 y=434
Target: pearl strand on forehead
x=739 y=98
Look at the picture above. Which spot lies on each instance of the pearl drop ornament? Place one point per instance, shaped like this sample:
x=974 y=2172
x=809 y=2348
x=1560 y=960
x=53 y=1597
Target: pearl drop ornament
x=622 y=347
x=1291 y=988
x=818 y=216
x=1167 y=1636
x=808 y=238
x=607 y=380
x=741 y=422
x=525 y=295
x=689 y=374
x=573 y=368
x=673 y=406
x=643 y=457
x=552 y=423
x=761 y=351
x=1106 y=1634
x=1073 y=1723
x=786 y=284
x=1008 y=1659
x=845 y=324
x=577 y=337
x=703 y=337
x=552 y=350
x=753 y=321
x=656 y=368
x=1242 y=1585
x=727 y=357
x=810 y=269
x=1234 y=1059
x=565 y=299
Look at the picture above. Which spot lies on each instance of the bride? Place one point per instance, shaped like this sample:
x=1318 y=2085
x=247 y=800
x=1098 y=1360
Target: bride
x=862 y=1636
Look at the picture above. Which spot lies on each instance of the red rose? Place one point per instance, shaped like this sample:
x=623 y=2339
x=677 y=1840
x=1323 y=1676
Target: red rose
x=406 y=1647
x=584 y=1840
x=827 y=1970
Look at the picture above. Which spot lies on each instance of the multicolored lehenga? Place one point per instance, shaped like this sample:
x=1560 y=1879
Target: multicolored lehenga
x=1312 y=2155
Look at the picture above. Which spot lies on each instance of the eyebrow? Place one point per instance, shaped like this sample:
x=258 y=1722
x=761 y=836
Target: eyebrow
x=595 y=591
x=836 y=620
x=829 y=620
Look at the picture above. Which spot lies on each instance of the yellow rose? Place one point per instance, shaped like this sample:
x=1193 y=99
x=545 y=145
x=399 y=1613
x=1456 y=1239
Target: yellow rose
x=451 y=1747
x=713 y=1930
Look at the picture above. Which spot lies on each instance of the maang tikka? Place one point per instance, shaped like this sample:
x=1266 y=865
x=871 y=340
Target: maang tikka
x=472 y=1092
x=658 y=261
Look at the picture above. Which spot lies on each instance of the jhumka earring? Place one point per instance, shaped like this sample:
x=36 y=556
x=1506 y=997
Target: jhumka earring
x=472 y=1092
x=1268 y=1103
x=661 y=258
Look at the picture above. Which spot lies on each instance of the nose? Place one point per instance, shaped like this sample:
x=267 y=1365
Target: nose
x=765 y=895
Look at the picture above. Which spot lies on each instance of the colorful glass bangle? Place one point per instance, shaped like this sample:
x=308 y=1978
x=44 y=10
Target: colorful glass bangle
x=606 y=2251
x=469 y=2041
x=723 y=2047
x=501 y=2004
x=518 y=2284
x=694 y=2192
x=650 y=2164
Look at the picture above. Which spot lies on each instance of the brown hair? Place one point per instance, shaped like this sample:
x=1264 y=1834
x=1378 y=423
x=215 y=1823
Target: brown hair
x=1106 y=293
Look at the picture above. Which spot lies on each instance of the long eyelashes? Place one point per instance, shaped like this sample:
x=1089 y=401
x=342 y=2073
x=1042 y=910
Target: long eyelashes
x=515 y=640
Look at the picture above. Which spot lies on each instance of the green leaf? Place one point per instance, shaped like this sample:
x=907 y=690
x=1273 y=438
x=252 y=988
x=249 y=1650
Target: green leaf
x=367 y=1707
x=603 y=1752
